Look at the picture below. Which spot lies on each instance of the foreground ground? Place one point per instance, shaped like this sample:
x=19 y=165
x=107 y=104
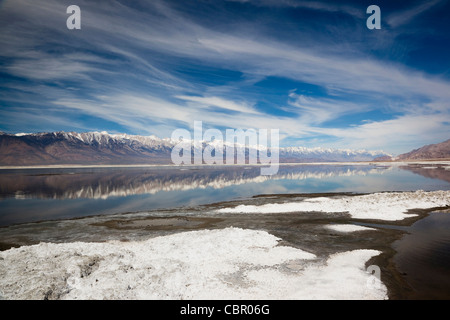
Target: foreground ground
x=269 y=247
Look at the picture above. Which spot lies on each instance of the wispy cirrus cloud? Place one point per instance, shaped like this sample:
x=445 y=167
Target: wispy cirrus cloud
x=395 y=132
x=221 y=103
x=352 y=10
x=145 y=112
x=316 y=111
x=152 y=66
x=406 y=16
x=48 y=67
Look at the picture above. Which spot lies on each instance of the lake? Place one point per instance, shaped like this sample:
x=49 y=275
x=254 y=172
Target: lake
x=98 y=204
x=28 y=195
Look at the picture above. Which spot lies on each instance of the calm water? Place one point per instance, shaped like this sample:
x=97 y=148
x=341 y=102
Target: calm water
x=423 y=256
x=52 y=194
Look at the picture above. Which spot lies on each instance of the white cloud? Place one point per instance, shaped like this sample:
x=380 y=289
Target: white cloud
x=142 y=113
x=336 y=73
x=46 y=67
x=400 y=18
x=313 y=5
x=316 y=111
x=219 y=102
x=396 y=135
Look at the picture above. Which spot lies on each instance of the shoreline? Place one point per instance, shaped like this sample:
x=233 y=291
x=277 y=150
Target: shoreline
x=87 y=166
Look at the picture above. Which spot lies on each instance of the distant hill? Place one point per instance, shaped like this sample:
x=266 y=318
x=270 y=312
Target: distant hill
x=428 y=152
x=383 y=158
x=59 y=148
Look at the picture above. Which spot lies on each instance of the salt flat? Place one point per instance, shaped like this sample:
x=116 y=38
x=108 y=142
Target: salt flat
x=383 y=206
x=230 y=263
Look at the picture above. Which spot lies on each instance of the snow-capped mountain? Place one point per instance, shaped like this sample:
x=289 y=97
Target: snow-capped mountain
x=105 y=148
x=327 y=154
x=81 y=148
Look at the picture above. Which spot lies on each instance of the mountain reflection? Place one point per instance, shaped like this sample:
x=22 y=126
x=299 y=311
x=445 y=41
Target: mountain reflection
x=430 y=171
x=120 y=182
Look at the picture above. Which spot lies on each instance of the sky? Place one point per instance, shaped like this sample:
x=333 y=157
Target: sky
x=311 y=69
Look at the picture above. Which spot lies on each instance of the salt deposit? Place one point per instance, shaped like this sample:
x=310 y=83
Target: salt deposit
x=383 y=206
x=347 y=228
x=229 y=263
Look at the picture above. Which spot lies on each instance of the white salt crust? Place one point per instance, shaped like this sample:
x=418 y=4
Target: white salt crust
x=382 y=206
x=229 y=263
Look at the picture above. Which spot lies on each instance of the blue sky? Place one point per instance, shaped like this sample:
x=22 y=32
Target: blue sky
x=309 y=68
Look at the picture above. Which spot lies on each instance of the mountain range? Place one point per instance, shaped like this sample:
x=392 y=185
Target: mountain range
x=429 y=152
x=97 y=148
